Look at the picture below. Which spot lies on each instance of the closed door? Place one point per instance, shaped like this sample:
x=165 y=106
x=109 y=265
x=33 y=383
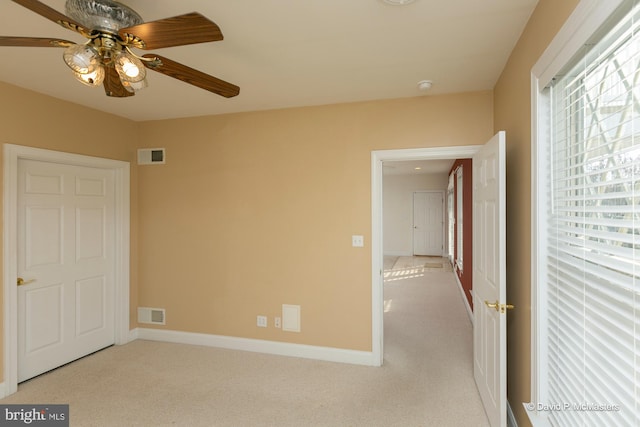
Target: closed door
x=66 y=264
x=428 y=227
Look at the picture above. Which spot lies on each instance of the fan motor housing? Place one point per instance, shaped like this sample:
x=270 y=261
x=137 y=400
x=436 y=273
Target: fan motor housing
x=102 y=15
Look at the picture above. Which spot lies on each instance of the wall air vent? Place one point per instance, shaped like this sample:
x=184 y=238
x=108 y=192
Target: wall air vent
x=154 y=316
x=151 y=156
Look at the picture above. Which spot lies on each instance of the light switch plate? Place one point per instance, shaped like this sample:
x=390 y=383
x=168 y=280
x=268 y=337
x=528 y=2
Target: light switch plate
x=357 y=241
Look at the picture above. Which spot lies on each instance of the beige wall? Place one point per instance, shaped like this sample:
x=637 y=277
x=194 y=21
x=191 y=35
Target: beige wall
x=34 y=120
x=253 y=210
x=512 y=111
x=256 y=210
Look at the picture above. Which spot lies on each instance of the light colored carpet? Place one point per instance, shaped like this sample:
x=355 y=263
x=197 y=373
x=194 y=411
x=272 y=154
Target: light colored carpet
x=427 y=378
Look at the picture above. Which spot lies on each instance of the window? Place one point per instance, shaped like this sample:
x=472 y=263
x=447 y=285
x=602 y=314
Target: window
x=588 y=241
x=459 y=219
x=451 y=220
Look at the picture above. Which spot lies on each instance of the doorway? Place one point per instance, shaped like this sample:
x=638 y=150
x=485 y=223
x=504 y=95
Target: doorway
x=377 y=252
x=13 y=154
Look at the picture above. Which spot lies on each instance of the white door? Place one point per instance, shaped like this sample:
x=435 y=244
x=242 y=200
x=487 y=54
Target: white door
x=66 y=263
x=428 y=227
x=489 y=292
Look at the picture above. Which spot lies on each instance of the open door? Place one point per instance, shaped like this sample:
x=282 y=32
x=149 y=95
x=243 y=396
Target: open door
x=489 y=291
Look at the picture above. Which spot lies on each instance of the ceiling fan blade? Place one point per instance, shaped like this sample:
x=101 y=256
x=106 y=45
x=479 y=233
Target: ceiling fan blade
x=112 y=84
x=191 y=76
x=34 y=42
x=176 y=31
x=53 y=15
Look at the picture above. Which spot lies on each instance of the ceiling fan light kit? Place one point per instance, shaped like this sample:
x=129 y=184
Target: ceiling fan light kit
x=112 y=29
x=82 y=59
x=129 y=68
x=132 y=87
x=91 y=79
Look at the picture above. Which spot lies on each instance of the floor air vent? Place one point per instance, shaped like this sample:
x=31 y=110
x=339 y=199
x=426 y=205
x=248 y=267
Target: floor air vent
x=154 y=316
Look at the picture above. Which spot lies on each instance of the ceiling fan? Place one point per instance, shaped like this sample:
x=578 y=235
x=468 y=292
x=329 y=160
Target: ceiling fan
x=112 y=30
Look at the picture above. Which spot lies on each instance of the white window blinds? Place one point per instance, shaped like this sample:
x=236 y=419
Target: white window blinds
x=593 y=253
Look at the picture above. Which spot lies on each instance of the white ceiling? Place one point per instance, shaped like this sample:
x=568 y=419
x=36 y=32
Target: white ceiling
x=417 y=167
x=290 y=53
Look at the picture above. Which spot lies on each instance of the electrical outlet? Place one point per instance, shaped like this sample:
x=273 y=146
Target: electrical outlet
x=277 y=322
x=262 y=321
x=357 y=241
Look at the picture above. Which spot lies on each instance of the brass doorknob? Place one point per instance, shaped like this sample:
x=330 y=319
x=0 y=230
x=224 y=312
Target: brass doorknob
x=21 y=281
x=502 y=308
x=489 y=304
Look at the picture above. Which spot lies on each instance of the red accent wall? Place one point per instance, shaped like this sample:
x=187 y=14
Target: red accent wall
x=466 y=275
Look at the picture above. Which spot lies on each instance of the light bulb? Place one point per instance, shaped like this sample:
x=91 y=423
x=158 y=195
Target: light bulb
x=82 y=59
x=129 y=68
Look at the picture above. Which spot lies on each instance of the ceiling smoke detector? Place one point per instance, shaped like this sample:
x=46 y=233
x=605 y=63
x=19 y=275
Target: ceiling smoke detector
x=425 y=84
x=398 y=2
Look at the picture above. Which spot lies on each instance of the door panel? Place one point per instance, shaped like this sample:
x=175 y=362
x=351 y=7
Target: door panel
x=90 y=224
x=489 y=270
x=66 y=255
x=44 y=330
x=90 y=309
x=39 y=222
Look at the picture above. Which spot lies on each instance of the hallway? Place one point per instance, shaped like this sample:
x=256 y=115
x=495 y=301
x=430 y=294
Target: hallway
x=428 y=330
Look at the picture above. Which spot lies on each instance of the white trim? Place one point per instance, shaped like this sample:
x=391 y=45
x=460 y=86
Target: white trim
x=511 y=418
x=377 y=292
x=586 y=19
x=259 y=346
x=538 y=419
x=464 y=297
x=538 y=206
x=12 y=153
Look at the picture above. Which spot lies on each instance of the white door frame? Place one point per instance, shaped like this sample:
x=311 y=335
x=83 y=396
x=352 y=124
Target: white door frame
x=377 y=292
x=13 y=153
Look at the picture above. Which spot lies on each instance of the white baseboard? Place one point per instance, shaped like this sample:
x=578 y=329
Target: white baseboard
x=329 y=354
x=464 y=298
x=133 y=334
x=511 y=418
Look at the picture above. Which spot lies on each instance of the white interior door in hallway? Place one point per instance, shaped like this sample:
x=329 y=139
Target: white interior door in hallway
x=428 y=225
x=65 y=263
x=489 y=271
